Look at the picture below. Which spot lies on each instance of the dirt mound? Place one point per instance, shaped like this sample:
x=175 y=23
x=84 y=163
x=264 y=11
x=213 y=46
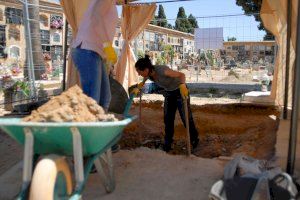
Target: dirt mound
x=71 y=106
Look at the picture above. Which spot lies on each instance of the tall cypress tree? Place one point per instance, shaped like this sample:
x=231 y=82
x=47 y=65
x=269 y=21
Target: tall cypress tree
x=182 y=23
x=170 y=26
x=154 y=20
x=162 y=20
x=193 y=22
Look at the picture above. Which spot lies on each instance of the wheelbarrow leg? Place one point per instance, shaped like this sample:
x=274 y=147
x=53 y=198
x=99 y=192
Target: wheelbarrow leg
x=104 y=166
x=27 y=163
x=28 y=156
x=78 y=158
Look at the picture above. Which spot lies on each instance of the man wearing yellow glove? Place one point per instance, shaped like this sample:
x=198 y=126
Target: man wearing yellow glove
x=92 y=46
x=173 y=82
x=110 y=53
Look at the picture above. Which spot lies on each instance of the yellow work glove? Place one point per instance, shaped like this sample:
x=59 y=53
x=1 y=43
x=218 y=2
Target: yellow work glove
x=110 y=53
x=141 y=85
x=137 y=89
x=183 y=91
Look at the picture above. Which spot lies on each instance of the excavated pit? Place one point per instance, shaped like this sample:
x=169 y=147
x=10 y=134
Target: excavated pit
x=224 y=129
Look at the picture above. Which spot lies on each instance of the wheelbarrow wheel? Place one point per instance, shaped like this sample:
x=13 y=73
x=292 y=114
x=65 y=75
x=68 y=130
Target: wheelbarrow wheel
x=51 y=179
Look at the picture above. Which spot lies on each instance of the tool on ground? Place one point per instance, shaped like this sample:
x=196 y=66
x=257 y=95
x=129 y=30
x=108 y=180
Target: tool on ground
x=187 y=126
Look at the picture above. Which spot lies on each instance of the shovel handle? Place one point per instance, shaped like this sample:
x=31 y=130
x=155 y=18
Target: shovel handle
x=187 y=126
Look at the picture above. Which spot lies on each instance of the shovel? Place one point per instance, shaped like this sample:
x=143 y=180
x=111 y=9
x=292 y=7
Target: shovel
x=187 y=126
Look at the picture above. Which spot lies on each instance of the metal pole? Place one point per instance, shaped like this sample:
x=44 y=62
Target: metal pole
x=295 y=105
x=287 y=61
x=29 y=51
x=65 y=49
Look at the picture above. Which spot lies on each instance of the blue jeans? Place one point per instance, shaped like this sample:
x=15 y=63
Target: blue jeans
x=93 y=77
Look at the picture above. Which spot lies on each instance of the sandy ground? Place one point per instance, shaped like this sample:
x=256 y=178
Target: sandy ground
x=195 y=99
x=223 y=129
x=142 y=174
x=222 y=75
x=152 y=174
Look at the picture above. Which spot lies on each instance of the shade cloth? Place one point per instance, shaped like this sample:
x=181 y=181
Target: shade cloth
x=134 y=19
x=274 y=17
x=73 y=10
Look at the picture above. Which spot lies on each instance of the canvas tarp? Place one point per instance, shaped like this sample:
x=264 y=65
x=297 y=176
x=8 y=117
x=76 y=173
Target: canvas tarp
x=74 y=11
x=274 y=17
x=134 y=19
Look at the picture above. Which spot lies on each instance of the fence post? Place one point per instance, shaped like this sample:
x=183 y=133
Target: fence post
x=29 y=50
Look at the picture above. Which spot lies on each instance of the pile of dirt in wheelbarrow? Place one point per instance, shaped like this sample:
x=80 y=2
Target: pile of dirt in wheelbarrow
x=223 y=129
x=71 y=106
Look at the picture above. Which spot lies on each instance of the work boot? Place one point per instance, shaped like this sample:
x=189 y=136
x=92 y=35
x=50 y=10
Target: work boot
x=195 y=143
x=167 y=147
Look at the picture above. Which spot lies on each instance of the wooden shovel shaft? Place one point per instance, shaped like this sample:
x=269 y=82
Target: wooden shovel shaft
x=187 y=126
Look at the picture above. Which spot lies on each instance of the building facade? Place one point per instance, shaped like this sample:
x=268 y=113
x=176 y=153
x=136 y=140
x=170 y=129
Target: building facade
x=12 y=33
x=249 y=51
x=153 y=39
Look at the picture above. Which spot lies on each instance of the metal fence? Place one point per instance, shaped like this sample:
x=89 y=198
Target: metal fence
x=31 y=53
x=31 y=61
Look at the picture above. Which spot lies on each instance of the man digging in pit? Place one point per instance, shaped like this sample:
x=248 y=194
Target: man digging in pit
x=173 y=82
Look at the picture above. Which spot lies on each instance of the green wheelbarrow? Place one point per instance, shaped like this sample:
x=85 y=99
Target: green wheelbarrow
x=50 y=177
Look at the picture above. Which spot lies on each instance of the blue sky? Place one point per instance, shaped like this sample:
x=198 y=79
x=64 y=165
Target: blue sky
x=244 y=28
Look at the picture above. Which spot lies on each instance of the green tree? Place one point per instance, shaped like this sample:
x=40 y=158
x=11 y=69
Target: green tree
x=182 y=23
x=168 y=53
x=154 y=20
x=140 y=54
x=161 y=17
x=170 y=26
x=252 y=7
x=231 y=39
x=160 y=60
x=193 y=22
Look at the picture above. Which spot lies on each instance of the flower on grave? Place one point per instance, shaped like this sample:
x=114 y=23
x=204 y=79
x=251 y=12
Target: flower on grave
x=15 y=70
x=8 y=84
x=44 y=76
x=58 y=24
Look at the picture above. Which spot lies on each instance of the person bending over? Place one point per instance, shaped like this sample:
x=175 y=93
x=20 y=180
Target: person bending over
x=173 y=82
